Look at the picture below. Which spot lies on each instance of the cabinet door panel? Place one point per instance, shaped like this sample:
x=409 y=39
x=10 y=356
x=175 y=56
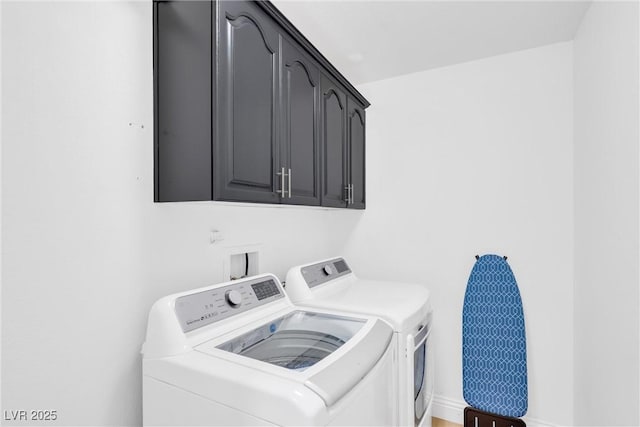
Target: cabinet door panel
x=334 y=144
x=182 y=101
x=300 y=89
x=247 y=110
x=356 y=119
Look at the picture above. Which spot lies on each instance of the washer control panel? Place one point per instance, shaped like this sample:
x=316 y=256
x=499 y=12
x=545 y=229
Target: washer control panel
x=203 y=308
x=323 y=272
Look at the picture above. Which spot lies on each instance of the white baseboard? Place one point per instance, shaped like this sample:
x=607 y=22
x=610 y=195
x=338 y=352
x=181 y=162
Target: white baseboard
x=453 y=410
x=449 y=409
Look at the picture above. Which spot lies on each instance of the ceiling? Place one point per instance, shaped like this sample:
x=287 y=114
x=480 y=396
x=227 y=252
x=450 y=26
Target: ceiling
x=375 y=40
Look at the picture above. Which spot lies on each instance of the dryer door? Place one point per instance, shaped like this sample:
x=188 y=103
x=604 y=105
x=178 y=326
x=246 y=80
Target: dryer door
x=295 y=341
x=422 y=372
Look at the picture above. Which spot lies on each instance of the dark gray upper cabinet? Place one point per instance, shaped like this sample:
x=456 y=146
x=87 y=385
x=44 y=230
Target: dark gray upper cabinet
x=343 y=142
x=356 y=150
x=334 y=148
x=247 y=112
x=182 y=104
x=247 y=109
x=300 y=141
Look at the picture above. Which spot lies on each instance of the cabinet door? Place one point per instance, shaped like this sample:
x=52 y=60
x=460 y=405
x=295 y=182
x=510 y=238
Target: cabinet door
x=182 y=98
x=356 y=127
x=300 y=88
x=246 y=155
x=334 y=153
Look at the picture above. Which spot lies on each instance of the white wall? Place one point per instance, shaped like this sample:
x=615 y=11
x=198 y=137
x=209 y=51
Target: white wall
x=85 y=250
x=606 y=205
x=472 y=159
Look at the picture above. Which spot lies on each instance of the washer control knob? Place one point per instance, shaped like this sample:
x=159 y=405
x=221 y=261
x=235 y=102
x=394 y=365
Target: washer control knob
x=234 y=298
x=327 y=270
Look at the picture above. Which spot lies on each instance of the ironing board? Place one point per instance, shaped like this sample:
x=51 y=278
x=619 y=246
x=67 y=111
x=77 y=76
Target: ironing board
x=494 y=357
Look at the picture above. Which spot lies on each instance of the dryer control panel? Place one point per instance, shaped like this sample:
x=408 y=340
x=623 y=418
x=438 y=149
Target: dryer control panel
x=323 y=272
x=203 y=308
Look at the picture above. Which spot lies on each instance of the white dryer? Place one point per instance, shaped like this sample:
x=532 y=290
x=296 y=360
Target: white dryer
x=332 y=284
x=240 y=353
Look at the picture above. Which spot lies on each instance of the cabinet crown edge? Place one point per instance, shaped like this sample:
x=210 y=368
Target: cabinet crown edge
x=291 y=29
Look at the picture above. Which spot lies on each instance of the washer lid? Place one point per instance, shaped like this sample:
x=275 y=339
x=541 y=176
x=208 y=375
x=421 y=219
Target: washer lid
x=295 y=341
x=291 y=346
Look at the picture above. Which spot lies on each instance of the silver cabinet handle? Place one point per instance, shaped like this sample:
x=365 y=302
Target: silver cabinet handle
x=350 y=193
x=348 y=196
x=282 y=190
x=283 y=183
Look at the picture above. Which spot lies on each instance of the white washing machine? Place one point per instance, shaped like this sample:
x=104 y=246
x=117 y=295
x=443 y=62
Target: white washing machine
x=240 y=353
x=332 y=284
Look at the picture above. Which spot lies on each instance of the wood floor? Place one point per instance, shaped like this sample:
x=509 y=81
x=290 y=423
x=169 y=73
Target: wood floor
x=437 y=422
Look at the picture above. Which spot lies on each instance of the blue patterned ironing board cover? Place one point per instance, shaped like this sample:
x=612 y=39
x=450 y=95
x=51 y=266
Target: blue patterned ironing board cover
x=494 y=353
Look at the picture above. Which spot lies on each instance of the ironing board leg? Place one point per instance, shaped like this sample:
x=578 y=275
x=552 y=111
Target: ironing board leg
x=476 y=418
